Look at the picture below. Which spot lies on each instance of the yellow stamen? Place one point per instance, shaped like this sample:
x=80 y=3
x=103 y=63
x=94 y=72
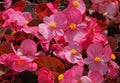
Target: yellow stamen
x=73 y=51
x=93 y=29
x=76 y=3
x=73 y=26
x=105 y=14
x=26 y=21
x=60 y=77
x=52 y=25
x=13 y=32
x=21 y=63
x=97 y=59
x=113 y=57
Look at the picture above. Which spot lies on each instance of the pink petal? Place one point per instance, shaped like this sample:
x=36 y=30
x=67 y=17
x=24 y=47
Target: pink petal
x=85 y=79
x=95 y=76
x=95 y=50
x=28 y=47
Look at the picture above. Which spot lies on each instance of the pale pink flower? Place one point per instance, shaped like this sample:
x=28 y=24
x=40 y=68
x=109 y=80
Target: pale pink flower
x=75 y=28
x=53 y=25
x=98 y=56
x=45 y=75
x=73 y=54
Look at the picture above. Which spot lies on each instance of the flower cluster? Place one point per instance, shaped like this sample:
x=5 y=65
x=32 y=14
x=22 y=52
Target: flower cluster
x=60 y=42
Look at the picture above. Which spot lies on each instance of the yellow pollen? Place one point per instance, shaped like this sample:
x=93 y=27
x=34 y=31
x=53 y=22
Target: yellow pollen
x=52 y=25
x=73 y=51
x=105 y=14
x=73 y=26
x=21 y=63
x=76 y=3
x=13 y=32
x=26 y=21
x=60 y=77
x=97 y=59
x=113 y=57
x=93 y=29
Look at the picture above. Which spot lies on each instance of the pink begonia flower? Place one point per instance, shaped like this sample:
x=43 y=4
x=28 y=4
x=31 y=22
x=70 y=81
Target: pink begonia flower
x=108 y=8
x=7 y=60
x=45 y=75
x=78 y=4
x=6 y=13
x=75 y=28
x=7 y=3
x=74 y=75
x=95 y=76
x=21 y=64
x=51 y=7
x=98 y=56
x=53 y=25
x=113 y=70
x=17 y=63
x=93 y=35
x=28 y=48
x=73 y=54
x=15 y=19
x=27 y=16
x=58 y=50
x=45 y=45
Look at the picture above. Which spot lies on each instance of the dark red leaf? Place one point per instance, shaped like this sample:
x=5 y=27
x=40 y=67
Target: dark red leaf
x=34 y=22
x=5 y=48
x=9 y=38
x=42 y=10
x=52 y=63
x=19 y=6
x=113 y=43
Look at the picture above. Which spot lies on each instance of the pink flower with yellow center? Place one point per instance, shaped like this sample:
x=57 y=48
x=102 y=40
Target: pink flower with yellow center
x=78 y=4
x=21 y=64
x=75 y=28
x=98 y=56
x=73 y=54
x=53 y=25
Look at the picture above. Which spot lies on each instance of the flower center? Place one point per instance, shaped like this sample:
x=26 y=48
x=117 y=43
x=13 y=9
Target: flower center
x=52 y=25
x=105 y=14
x=113 y=57
x=73 y=26
x=76 y=3
x=97 y=59
x=21 y=63
x=93 y=29
x=60 y=77
x=26 y=21
x=73 y=51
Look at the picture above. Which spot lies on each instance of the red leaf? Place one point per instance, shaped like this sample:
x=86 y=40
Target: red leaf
x=9 y=38
x=34 y=22
x=52 y=63
x=42 y=10
x=5 y=48
x=19 y=6
x=113 y=43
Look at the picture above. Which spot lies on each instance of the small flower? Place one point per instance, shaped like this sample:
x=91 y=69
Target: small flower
x=98 y=56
